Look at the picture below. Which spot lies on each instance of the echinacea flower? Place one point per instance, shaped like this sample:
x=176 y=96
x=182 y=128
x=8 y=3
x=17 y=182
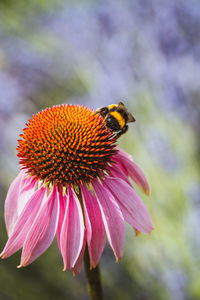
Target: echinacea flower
x=74 y=182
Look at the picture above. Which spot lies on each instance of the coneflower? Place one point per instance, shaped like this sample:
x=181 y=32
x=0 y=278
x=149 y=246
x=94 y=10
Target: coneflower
x=74 y=182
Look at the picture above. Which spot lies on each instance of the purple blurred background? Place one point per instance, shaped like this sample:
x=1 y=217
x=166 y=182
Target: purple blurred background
x=146 y=53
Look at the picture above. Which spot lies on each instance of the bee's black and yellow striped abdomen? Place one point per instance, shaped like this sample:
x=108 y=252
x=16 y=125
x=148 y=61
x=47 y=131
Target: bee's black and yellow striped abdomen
x=119 y=118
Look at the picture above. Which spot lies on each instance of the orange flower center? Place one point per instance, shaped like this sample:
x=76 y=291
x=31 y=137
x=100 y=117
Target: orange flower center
x=66 y=144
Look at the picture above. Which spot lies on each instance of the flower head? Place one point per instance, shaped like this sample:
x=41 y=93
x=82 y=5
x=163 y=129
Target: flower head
x=74 y=182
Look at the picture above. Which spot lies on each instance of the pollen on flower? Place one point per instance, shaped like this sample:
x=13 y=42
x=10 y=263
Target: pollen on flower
x=66 y=144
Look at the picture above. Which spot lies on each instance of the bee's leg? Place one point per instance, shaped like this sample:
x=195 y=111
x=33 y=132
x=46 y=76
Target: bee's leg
x=124 y=130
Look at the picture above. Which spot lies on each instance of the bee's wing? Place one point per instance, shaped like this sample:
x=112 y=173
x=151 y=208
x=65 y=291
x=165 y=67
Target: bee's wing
x=130 y=116
x=121 y=104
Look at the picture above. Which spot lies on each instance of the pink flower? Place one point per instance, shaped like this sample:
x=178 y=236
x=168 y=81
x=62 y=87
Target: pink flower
x=74 y=182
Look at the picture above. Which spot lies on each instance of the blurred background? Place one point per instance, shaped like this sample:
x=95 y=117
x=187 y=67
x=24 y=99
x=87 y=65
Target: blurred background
x=146 y=53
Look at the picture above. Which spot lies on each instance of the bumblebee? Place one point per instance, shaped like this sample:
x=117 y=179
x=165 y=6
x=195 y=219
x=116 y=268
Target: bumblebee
x=116 y=117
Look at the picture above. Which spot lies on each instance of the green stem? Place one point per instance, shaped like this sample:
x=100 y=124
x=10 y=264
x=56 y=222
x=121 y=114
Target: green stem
x=93 y=279
x=93 y=275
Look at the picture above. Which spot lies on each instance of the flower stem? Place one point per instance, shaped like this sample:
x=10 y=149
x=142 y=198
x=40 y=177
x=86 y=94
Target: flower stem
x=93 y=275
x=93 y=279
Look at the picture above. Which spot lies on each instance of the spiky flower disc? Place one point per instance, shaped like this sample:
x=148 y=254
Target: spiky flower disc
x=66 y=144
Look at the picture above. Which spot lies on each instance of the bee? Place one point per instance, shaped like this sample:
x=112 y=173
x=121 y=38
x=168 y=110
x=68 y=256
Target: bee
x=116 y=117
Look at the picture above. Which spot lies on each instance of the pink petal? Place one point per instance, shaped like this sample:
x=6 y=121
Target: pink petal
x=132 y=169
x=62 y=204
x=27 y=183
x=26 y=192
x=11 y=201
x=117 y=172
x=42 y=231
x=72 y=232
x=23 y=224
x=94 y=226
x=112 y=218
x=132 y=207
x=77 y=267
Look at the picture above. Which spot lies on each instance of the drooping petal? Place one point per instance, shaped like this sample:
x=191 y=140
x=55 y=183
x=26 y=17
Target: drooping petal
x=132 y=169
x=72 y=232
x=42 y=231
x=23 y=223
x=77 y=267
x=28 y=189
x=62 y=204
x=118 y=173
x=94 y=226
x=11 y=201
x=132 y=207
x=112 y=218
x=27 y=183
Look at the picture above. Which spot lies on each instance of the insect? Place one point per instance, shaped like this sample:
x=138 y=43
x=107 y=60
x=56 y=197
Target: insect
x=116 y=117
